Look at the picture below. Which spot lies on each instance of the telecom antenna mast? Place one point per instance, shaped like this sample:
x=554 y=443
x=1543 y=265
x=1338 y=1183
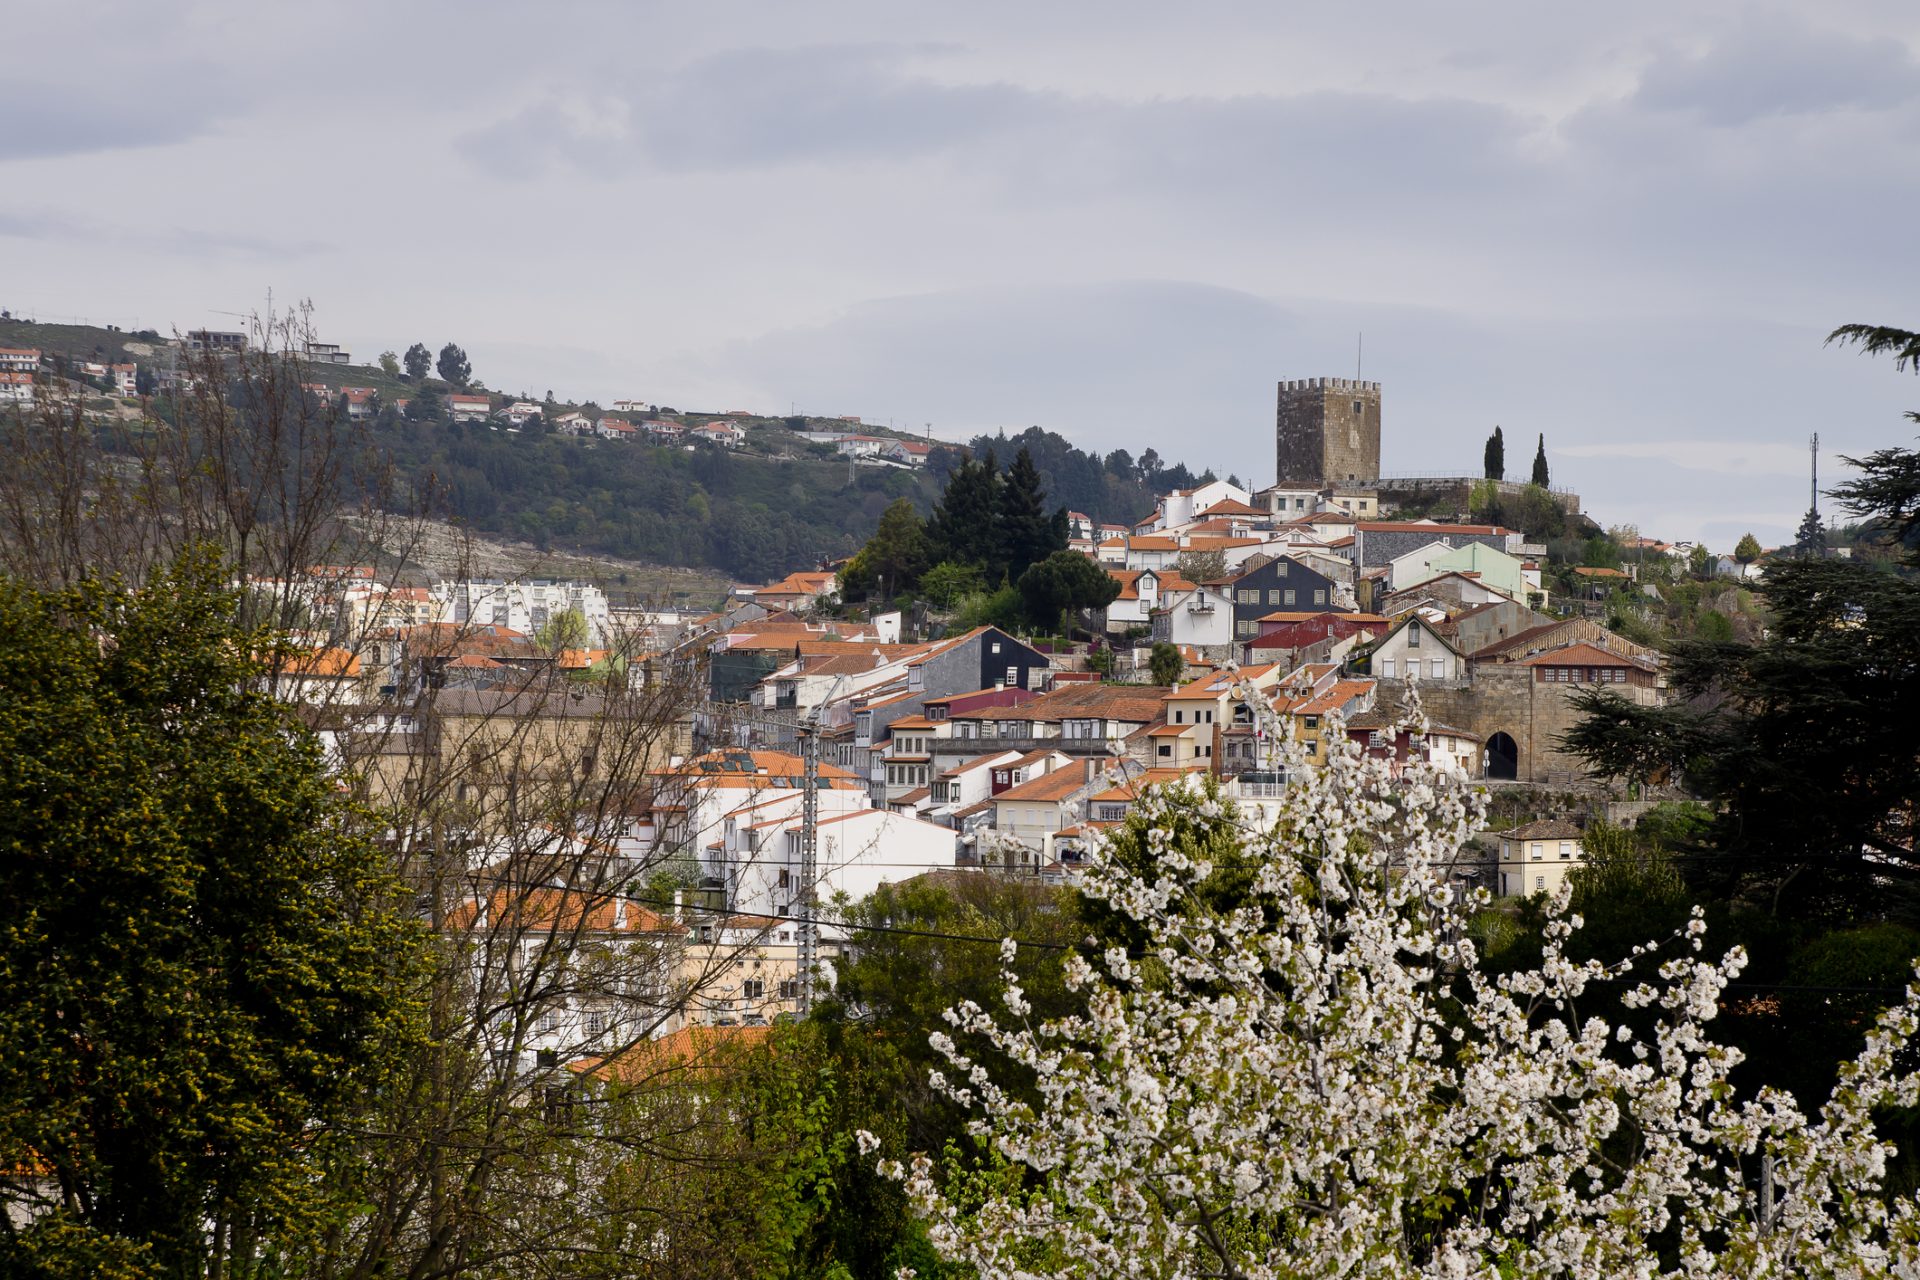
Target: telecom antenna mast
x=808 y=731
x=1814 y=448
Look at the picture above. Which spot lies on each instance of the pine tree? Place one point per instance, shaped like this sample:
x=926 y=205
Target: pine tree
x=1748 y=550
x=1811 y=540
x=1496 y=456
x=1026 y=534
x=962 y=529
x=1540 y=463
x=418 y=361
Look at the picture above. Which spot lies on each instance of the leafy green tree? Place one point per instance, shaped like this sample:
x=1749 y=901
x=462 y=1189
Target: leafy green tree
x=947 y=582
x=1714 y=627
x=390 y=364
x=1540 y=475
x=564 y=630
x=418 y=361
x=1203 y=566
x=1699 y=560
x=453 y=366
x=1494 y=460
x=892 y=560
x=1063 y=583
x=206 y=962
x=1165 y=663
x=1748 y=549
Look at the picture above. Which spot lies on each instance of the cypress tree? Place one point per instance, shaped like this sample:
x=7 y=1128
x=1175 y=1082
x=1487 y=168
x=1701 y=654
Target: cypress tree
x=1025 y=531
x=1496 y=456
x=962 y=529
x=1540 y=462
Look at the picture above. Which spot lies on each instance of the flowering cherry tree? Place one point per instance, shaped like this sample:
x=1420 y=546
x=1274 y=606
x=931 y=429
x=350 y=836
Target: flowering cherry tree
x=1313 y=1077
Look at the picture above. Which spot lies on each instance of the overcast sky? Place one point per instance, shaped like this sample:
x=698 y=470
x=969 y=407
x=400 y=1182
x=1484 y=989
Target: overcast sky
x=1628 y=227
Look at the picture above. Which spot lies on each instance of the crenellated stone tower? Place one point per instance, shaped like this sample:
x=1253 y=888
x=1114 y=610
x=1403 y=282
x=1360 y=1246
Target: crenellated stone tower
x=1327 y=432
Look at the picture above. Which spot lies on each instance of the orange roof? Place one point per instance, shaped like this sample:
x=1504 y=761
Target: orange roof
x=1342 y=692
x=1169 y=730
x=690 y=1048
x=911 y=722
x=1058 y=785
x=324 y=664
x=1599 y=573
x=1153 y=542
x=1580 y=655
x=473 y=661
x=1232 y=507
x=556 y=909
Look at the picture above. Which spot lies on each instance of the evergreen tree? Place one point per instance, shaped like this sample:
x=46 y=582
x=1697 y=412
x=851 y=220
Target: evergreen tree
x=454 y=365
x=1811 y=539
x=1540 y=462
x=1748 y=550
x=892 y=560
x=963 y=528
x=418 y=361
x=1496 y=456
x=1025 y=532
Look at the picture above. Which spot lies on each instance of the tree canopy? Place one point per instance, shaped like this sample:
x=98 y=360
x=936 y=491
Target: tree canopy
x=454 y=366
x=418 y=361
x=187 y=912
x=1494 y=458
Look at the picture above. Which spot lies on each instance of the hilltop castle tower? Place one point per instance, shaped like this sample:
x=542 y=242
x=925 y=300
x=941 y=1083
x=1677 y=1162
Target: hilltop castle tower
x=1327 y=432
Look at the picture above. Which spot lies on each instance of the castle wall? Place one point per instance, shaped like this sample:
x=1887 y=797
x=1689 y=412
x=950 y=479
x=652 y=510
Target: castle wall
x=1507 y=699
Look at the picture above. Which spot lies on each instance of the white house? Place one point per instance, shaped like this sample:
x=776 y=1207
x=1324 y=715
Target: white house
x=1195 y=615
x=1414 y=650
x=725 y=434
x=526 y=605
x=468 y=408
x=855 y=852
x=15 y=387
x=614 y=429
x=126 y=379
x=1535 y=858
x=1415 y=565
x=912 y=453
x=520 y=412
x=20 y=359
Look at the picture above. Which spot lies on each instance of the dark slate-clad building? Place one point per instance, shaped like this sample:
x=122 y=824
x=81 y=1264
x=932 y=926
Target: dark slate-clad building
x=1279 y=585
x=1378 y=542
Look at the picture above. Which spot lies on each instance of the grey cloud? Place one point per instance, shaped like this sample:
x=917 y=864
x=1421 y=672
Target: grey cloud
x=55 y=225
x=115 y=109
x=1774 y=66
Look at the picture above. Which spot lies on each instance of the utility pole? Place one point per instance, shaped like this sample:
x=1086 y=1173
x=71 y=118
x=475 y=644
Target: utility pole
x=809 y=733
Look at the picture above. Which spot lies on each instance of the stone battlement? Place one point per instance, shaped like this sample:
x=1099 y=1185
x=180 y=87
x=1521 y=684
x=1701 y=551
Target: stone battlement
x=1329 y=384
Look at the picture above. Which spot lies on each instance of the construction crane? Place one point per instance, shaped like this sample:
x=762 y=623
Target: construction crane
x=808 y=731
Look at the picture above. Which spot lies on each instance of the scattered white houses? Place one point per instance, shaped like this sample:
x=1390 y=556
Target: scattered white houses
x=614 y=429
x=573 y=424
x=632 y=406
x=520 y=413
x=462 y=407
x=660 y=429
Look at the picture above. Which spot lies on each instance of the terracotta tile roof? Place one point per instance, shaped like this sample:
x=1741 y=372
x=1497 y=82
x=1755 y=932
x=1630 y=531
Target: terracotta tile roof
x=1232 y=507
x=1058 y=785
x=693 y=1048
x=1543 y=829
x=327 y=664
x=1340 y=694
x=1580 y=654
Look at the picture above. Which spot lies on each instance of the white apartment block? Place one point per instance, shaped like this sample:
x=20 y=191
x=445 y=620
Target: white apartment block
x=525 y=606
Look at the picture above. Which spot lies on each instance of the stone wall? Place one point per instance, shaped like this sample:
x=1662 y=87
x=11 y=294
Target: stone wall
x=1507 y=699
x=1327 y=431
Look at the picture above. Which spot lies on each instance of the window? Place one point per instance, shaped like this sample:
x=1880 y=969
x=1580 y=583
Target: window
x=1310 y=722
x=996 y=646
x=1566 y=850
x=1319 y=595
x=786 y=880
x=1245 y=628
x=753 y=988
x=1413 y=636
x=790 y=988
x=1437 y=668
x=1289 y=597
x=1013 y=677
x=1536 y=846
x=1247 y=595
x=1280 y=567
x=549 y=1022
x=1273 y=596
x=1166 y=751
x=1386 y=668
x=1539 y=882
x=596 y=1023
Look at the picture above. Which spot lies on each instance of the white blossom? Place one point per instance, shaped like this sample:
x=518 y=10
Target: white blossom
x=1321 y=1083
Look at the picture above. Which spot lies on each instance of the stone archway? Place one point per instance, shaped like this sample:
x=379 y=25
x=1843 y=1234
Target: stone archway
x=1502 y=757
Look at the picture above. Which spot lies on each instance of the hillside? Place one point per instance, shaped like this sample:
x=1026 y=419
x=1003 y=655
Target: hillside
x=781 y=502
